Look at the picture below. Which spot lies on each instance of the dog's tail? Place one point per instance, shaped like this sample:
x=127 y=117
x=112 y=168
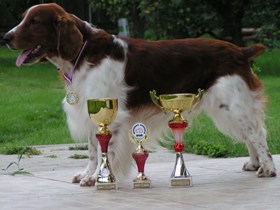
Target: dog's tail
x=254 y=51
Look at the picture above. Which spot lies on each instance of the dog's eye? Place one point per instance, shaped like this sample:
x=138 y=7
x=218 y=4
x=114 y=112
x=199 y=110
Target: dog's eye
x=33 y=21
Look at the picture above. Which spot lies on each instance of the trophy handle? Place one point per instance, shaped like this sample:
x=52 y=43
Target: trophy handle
x=198 y=97
x=156 y=100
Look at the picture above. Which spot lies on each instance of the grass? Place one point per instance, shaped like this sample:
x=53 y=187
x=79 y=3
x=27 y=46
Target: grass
x=26 y=150
x=269 y=63
x=31 y=111
x=79 y=156
x=79 y=147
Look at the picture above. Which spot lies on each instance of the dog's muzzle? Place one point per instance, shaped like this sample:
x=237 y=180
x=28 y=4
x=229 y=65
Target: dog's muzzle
x=8 y=37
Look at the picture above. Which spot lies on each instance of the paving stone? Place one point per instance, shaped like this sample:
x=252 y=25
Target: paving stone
x=218 y=184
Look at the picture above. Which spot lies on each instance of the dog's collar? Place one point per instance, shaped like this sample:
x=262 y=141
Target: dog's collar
x=68 y=78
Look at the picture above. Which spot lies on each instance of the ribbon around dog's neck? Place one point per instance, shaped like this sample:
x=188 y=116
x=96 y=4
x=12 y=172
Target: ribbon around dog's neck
x=68 y=78
x=72 y=97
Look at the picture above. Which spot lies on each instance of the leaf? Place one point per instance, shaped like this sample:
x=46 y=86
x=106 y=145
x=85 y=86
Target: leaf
x=11 y=165
x=20 y=172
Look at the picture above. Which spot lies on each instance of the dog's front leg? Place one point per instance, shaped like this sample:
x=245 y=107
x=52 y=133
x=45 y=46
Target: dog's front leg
x=88 y=176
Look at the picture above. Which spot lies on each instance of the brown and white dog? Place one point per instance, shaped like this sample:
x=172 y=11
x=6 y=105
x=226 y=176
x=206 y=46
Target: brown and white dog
x=127 y=69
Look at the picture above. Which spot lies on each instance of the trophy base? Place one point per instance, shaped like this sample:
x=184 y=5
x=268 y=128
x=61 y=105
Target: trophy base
x=106 y=186
x=141 y=184
x=181 y=182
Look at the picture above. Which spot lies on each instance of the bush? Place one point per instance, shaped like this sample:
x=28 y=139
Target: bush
x=213 y=151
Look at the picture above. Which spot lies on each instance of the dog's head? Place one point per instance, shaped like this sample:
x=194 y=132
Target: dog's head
x=45 y=31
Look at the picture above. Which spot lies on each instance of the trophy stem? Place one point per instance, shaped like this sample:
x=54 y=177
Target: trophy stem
x=104 y=140
x=141 y=181
x=105 y=179
x=180 y=176
x=140 y=160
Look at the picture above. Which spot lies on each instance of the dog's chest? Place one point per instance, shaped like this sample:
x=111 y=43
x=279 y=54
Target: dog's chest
x=89 y=82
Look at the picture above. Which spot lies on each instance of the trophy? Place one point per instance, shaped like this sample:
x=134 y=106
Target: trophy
x=176 y=104
x=139 y=136
x=102 y=112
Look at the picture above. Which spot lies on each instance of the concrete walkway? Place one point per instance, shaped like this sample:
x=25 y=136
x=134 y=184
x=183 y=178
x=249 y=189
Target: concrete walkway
x=217 y=184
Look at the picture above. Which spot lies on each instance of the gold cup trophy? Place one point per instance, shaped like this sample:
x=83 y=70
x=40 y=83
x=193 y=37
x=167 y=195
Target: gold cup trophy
x=176 y=104
x=102 y=112
x=139 y=135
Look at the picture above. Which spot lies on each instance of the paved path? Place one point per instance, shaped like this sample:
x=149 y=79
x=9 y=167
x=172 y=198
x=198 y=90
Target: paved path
x=217 y=184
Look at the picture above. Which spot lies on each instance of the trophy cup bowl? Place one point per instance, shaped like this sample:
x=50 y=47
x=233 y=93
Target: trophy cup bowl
x=102 y=112
x=176 y=104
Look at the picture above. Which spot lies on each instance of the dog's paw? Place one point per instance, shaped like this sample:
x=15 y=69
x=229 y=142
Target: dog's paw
x=88 y=181
x=249 y=166
x=266 y=171
x=78 y=177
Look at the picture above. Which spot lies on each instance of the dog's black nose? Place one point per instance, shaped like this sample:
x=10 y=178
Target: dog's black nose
x=8 y=37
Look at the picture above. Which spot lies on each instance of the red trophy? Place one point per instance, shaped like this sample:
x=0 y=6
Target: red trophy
x=176 y=104
x=102 y=112
x=139 y=136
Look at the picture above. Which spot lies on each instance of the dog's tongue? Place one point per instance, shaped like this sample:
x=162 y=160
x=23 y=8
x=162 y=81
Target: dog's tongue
x=21 y=58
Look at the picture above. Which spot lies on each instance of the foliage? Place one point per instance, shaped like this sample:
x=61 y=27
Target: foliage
x=51 y=156
x=155 y=19
x=17 y=149
x=189 y=21
x=214 y=151
x=79 y=156
x=79 y=147
x=168 y=19
x=269 y=35
x=230 y=16
x=223 y=19
x=19 y=170
x=265 y=15
x=122 y=8
x=11 y=11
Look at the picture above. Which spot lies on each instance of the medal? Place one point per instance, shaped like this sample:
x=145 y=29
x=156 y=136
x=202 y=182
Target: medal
x=72 y=98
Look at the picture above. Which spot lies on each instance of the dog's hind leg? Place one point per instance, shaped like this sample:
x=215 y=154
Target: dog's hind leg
x=239 y=112
x=253 y=163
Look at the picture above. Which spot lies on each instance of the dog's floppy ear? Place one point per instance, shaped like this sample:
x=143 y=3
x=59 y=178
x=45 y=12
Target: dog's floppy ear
x=69 y=38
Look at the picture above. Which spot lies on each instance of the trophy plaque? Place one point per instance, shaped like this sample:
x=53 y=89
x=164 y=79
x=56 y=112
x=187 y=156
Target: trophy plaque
x=102 y=112
x=139 y=136
x=176 y=104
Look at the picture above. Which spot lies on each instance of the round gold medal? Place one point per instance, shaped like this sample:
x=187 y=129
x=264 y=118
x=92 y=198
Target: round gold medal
x=72 y=98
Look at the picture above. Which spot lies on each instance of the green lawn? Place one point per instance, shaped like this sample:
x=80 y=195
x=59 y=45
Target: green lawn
x=31 y=111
